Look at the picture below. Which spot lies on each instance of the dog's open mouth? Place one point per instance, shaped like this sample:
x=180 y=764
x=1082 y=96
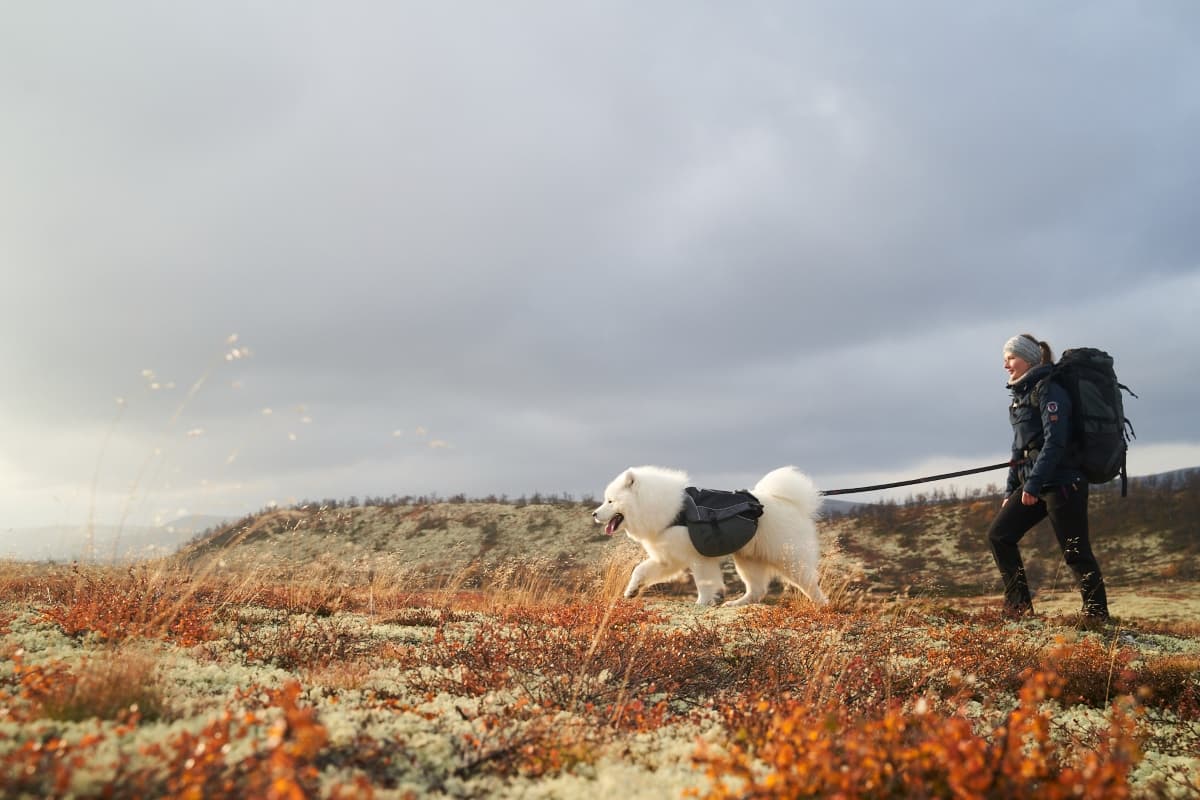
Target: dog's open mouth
x=614 y=524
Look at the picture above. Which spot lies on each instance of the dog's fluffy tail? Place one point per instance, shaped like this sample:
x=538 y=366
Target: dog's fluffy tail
x=792 y=485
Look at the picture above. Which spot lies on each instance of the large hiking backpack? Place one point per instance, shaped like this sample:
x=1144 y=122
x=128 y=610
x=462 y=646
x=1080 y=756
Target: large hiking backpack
x=718 y=522
x=1100 y=432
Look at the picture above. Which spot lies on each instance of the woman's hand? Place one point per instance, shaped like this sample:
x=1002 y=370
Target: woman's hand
x=1028 y=499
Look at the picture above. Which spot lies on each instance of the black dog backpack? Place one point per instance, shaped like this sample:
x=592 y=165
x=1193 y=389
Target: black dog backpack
x=719 y=523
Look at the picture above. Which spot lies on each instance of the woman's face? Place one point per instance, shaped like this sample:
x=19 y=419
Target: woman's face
x=1015 y=366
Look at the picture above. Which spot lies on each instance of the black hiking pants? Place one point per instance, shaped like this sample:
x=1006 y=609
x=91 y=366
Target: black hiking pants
x=1067 y=508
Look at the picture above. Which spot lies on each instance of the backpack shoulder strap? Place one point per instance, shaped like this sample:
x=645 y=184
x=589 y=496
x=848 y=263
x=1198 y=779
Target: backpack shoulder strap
x=1039 y=388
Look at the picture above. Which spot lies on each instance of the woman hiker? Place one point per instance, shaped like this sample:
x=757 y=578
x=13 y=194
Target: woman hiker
x=1042 y=482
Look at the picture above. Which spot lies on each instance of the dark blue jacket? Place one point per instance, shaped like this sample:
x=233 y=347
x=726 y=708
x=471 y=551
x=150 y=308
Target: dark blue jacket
x=1042 y=434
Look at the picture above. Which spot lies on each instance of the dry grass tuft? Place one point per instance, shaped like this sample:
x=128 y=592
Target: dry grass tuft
x=118 y=684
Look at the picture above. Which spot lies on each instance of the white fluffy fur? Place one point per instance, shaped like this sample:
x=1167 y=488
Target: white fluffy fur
x=786 y=545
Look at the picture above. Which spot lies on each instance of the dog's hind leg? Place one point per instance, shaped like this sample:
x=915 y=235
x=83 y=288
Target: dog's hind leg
x=804 y=577
x=710 y=582
x=650 y=572
x=757 y=577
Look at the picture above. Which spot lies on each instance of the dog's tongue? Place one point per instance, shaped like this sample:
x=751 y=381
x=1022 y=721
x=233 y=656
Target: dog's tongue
x=613 y=524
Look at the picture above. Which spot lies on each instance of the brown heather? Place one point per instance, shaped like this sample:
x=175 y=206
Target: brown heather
x=827 y=751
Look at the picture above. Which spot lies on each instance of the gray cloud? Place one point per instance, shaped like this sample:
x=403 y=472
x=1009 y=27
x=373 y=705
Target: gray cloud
x=565 y=240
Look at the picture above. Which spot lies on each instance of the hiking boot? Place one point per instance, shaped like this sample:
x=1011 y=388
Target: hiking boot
x=1095 y=624
x=1017 y=611
x=1095 y=598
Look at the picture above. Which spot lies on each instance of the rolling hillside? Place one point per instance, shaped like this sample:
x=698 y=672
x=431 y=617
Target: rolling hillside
x=1148 y=541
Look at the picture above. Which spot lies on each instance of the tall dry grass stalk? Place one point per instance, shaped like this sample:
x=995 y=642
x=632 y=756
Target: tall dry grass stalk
x=840 y=581
x=614 y=572
x=493 y=587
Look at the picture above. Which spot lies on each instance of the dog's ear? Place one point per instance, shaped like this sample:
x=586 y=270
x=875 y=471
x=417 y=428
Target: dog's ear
x=630 y=478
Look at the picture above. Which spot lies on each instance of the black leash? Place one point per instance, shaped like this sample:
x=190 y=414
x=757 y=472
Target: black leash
x=943 y=476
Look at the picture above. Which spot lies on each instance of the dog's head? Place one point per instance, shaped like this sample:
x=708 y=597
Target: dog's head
x=618 y=501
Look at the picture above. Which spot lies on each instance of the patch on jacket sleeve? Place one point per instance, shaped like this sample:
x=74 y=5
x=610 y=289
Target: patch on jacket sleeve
x=1052 y=407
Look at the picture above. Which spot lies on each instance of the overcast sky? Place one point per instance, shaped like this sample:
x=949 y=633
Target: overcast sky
x=515 y=247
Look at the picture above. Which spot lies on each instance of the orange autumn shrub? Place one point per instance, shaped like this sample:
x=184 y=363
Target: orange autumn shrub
x=197 y=765
x=45 y=766
x=284 y=740
x=568 y=660
x=1171 y=681
x=790 y=749
x=137 y=603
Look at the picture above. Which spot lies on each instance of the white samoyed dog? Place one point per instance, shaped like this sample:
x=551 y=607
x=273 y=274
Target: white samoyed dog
x=645 y=501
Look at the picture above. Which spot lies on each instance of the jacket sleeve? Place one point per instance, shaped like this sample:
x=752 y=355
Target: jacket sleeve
x=1055 y=407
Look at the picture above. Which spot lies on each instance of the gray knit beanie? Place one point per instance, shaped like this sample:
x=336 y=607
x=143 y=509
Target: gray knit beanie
x=1026 y=348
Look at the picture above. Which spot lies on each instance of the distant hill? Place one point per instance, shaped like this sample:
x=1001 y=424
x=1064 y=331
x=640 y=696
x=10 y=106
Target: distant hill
x=129 y=543
x=935 y=545
x=834 y=508
x=1150 y=538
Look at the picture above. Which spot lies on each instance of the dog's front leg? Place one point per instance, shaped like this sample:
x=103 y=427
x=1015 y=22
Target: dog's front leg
x=639 y=575
x=647 y=573
x=710 y=582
